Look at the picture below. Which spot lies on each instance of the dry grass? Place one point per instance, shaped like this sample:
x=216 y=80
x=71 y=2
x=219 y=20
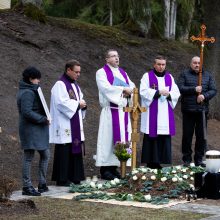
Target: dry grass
x=69 y=209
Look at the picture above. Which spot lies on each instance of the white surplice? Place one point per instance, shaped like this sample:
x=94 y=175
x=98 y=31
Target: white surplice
x=109 y=93
x=62 y=109
x=147 y=95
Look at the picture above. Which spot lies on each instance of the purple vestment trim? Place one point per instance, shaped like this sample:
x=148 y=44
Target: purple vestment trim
x=74 y=121
x=154 y=106
x=114 y=109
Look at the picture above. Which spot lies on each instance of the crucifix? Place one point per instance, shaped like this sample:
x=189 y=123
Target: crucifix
x=135 y=110
x=202 y=40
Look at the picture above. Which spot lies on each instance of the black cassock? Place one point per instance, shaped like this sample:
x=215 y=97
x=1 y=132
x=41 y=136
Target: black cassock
x=156 y=149
x=67 y=167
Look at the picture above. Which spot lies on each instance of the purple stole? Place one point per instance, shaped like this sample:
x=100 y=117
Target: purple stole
x=114 y=108
x=154 y=106
x=74 y=121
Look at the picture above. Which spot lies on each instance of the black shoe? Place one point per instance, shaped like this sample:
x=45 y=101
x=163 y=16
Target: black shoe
x=76 y=182
x=186 y=164
x=200 y=164
x=43 y=188
x=107 y=175
x=30 y=191
x=116 y=173
x=63 y=183
x=154 y=165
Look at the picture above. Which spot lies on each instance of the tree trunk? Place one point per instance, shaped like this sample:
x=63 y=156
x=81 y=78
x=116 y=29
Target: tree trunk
x=212 y=56
x=167 y=19
x=184 y=35
x=173 y=9
x=110 y=13
x=141 y=16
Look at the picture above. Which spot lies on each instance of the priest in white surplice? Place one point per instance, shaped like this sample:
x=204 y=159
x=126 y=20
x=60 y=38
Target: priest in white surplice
x=67 y=108
x=159 y=94
x=115 y=89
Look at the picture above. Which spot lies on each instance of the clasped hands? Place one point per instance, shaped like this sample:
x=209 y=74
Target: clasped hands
x=82 y=104
x=127 y=92
x=164 y=92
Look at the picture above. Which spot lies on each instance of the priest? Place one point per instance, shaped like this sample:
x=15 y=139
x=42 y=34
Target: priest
x=159 y=94
x=66 y=131
x=115 y=89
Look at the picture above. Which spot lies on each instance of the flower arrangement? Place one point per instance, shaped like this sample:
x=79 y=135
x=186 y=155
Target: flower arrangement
x=147 y=185
x=122 y=151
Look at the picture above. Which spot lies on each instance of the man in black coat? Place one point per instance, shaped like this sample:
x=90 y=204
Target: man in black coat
x=195 y=107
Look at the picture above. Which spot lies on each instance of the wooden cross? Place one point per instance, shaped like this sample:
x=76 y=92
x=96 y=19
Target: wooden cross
x=135 y=110
x=202 y=40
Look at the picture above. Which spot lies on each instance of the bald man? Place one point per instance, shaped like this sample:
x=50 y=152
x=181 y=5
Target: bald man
x=195 y=107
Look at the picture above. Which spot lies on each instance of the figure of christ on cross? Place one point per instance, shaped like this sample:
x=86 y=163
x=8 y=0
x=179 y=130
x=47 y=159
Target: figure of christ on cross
x=202 y=40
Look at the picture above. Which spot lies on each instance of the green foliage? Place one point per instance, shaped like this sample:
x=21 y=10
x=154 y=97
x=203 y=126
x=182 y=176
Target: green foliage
x=122 y=151
x=34 y=12
x=95 y=13
x=66 y=8
x=96 y=31
x=157 y=18
x=14 y=2
x=197 y=19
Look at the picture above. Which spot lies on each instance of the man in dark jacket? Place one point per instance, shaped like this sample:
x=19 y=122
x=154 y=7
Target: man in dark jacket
x=195 y=106
x=33 y=130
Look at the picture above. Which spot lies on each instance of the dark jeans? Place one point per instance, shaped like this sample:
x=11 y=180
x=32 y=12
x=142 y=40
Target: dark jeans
x=193 y=121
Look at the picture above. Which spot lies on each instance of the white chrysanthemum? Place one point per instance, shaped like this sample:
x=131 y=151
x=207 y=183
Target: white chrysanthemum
x=153 y=177
x=143 y=177
x=134 y=177
x=144 y=170
x=147 y=197
x=184 y=170
x=163 y=179
x=178 y=167
x=130 y=196
x=117 y=180
x=155 y=171
x=191 y=178
x=134 y=172
x=174 y=179
x=92 y=184
x=192 y=186
x=99 y=186
x=192 y=164
x=191 y=173
x=180 y=179
x=113 y=182
x=173 y=171
x=185 y=177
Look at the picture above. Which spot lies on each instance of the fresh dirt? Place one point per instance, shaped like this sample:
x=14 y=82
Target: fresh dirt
x=25 y=42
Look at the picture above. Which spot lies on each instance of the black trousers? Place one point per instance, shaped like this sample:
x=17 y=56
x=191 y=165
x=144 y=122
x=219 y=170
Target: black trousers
x=193 y=121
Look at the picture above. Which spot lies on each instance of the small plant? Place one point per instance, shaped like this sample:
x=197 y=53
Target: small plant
x=122 y=151
x=7 y=186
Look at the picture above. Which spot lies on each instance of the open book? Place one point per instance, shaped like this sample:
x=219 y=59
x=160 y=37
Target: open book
x=43 y=101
